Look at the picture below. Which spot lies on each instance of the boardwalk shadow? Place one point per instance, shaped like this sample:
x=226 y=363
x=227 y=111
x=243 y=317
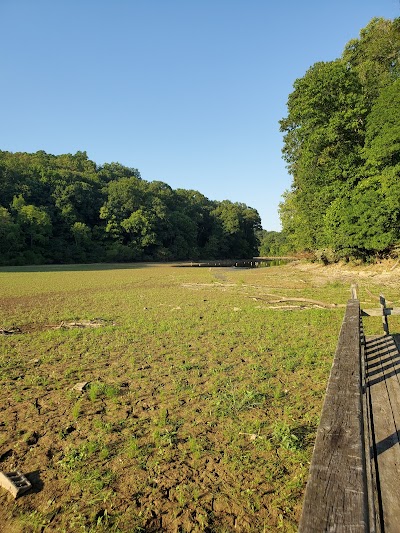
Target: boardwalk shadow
x=382 y=359
x=386 y=365
x=387 y=443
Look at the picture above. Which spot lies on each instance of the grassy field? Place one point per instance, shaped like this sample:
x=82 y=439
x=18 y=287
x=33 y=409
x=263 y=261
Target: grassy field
x=204 y=389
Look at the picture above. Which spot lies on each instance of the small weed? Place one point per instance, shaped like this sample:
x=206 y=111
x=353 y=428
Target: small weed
x=106 y=427
x=182 y=384
x=162 y=419
x=104 y=453
x=252 y=499
x=284 y=437
x=186 y=366
x=166 y=437
x=231 y=400
x=195 y=447
x=102 y=390
x=76 y=456
x=77 y=409
x=181 y=495
x=132 y=448
x=279 y=392
x=37 y=380
x=34 y=521
x=92 y=481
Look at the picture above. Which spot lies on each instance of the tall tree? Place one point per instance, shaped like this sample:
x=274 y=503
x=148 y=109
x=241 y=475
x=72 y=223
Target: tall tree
x=341 y=131
x=322 y=143
x=375 y=56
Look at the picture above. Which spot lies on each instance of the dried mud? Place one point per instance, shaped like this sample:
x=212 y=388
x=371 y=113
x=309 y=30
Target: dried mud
x=160 y=457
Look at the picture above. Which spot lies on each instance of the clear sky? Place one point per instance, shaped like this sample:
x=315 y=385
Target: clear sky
x=189 y=92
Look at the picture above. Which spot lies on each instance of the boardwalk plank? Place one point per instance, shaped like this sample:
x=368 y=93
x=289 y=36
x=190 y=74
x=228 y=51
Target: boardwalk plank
x=383 y=381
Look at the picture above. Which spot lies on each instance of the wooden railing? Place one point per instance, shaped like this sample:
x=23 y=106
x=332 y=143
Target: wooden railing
x=384 y=312
x=336 y=497
x=341 y=493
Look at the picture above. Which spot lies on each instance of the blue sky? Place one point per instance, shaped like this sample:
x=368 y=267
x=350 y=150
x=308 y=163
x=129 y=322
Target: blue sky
x=190 y=92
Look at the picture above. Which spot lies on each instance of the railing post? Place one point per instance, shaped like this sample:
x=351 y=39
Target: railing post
x=385 y=322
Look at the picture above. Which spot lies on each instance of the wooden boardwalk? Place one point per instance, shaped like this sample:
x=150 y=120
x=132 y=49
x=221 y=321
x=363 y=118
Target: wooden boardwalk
x=354 y=481
x=382 y=412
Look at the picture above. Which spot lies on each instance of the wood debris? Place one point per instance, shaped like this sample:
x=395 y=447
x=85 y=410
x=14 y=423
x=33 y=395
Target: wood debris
x=94 y=323
x=10 y=331
x=15 y=482
x=281 y=299
x=80 y=387
x=252 y=436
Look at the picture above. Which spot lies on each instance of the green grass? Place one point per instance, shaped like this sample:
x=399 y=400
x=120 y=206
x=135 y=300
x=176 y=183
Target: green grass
x=203 y=395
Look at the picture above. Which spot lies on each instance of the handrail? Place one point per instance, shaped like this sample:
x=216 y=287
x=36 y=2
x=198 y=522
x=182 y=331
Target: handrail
x=336 y=497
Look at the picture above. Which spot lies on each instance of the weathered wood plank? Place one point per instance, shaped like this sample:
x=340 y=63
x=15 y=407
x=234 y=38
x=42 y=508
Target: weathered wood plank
x=383 y=382
x=336 y=496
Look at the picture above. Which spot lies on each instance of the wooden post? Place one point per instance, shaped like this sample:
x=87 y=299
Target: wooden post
x=385 y=322
x=354 y=288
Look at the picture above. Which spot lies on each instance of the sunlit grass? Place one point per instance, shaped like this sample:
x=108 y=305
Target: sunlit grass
x=203 y=393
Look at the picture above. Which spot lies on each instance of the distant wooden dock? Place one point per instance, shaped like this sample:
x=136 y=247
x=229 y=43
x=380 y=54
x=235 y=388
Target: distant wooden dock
x=354 y=481
x=240 y=263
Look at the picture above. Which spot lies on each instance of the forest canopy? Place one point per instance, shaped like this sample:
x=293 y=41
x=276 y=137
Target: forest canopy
x=342 y=148
x=65 y=208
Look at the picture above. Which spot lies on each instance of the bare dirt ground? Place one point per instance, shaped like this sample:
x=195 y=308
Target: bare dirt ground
x=198 y=413
x=386 y=272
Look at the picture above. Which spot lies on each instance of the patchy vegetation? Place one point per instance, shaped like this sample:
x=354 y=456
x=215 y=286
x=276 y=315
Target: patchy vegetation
x=193 y=407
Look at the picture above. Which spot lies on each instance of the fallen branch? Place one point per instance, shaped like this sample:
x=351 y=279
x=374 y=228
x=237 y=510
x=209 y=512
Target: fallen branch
x=10 y=331
x=293 y=299
x=95 y=323
x=291 y=307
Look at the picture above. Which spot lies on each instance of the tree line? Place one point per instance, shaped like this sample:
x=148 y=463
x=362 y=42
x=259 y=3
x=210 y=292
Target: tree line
x=65 y=208
x=342 y=147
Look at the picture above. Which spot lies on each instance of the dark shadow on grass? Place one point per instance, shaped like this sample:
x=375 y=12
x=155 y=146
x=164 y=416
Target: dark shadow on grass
x=305 y=435
x=90 y=267
x=36 y=482
x=80 y=268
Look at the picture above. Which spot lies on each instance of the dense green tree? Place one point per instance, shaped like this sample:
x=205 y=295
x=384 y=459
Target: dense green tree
x=382 y=140
x=115 y=171
x=10 y=240
x=124 y=197
x=323 y=142
x=382 y=153
x=67 y=209
x=375 y=56
x=272 y=244
x=35 y=227
x=236 y=229
x=341 y=143
x=358 y=224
